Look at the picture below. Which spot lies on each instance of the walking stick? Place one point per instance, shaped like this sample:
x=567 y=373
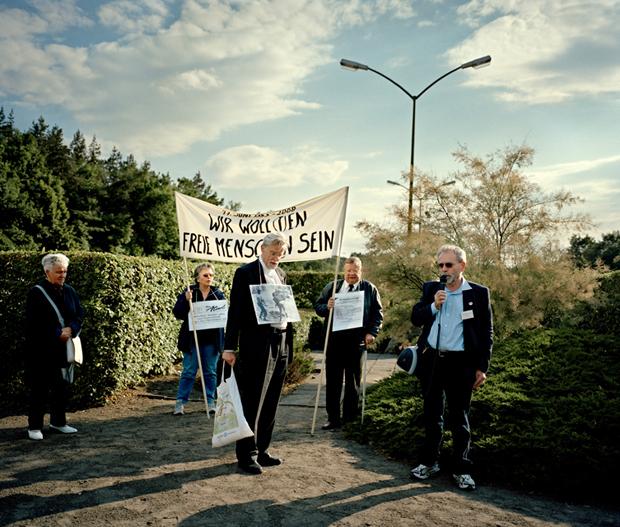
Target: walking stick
x=191 y=314
x=365 y=366
x=269 y=369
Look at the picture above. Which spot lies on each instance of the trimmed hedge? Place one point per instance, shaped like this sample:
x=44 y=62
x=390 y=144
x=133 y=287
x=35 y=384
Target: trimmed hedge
x=129 y=331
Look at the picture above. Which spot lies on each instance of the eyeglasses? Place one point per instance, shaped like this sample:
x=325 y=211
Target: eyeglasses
x=207 y=275
x=447 y=265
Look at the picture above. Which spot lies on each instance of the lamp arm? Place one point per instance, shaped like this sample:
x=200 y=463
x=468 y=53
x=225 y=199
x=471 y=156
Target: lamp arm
x=412 y=97
x=436 y=81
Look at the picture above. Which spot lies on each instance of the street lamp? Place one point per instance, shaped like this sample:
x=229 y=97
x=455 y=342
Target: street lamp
x=355 y=66
x=420 y=196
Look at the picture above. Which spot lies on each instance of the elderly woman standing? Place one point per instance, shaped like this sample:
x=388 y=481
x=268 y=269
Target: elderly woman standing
x=46 y=348
x=210 y=341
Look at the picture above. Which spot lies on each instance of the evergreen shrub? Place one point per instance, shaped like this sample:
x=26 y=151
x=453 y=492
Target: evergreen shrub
x=547 y=419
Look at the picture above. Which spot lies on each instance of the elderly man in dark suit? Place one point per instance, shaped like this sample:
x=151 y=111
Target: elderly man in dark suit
x=345 y=348
x=456 y=340
x=254 y=343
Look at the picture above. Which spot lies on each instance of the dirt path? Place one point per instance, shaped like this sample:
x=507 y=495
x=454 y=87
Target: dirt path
x=133 y=463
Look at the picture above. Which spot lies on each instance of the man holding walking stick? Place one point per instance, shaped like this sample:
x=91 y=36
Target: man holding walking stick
x=264 y=351
x=346 y=346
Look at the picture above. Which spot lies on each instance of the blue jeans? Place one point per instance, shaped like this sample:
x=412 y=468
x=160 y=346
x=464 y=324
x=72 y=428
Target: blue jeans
x=209 y=357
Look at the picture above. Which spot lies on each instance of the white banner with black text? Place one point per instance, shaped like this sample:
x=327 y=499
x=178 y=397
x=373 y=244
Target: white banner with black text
x=313 y=229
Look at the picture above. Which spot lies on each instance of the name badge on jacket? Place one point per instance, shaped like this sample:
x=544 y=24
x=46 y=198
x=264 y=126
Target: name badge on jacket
x=465 y=315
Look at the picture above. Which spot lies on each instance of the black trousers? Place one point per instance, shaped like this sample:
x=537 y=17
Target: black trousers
x=250 y=373
x=447 y=380
x=343 y=359
x=46 y=384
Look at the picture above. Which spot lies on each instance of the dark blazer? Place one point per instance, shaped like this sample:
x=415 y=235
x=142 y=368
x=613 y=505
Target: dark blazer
x=242 y=329
x=477 y=331
x=205 y=336
x=43 y=346
x=373 y=310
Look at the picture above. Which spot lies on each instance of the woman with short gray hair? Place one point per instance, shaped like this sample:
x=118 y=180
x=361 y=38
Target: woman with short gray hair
x=46 y=345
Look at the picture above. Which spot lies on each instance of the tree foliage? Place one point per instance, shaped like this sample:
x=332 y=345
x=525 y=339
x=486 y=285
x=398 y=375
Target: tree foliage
x=59 y=196
x=587 y=252
x=498 y=212
x=504 y=222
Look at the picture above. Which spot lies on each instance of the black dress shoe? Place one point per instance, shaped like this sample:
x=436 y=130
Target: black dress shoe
x=250 y=467
x=267 y=460
x=330 y=426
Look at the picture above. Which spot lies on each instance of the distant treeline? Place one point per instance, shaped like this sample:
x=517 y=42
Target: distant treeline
x=54 y=196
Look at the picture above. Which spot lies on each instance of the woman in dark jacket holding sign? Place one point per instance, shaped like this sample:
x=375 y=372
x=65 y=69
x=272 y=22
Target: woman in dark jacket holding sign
x=210 y=341
x=46 y=345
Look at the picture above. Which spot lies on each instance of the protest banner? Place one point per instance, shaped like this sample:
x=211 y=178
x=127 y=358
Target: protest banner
x=313 y=229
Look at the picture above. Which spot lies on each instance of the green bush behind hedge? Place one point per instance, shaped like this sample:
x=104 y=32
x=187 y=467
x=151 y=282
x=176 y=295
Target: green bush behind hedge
x=547 y=419
x=129 y=331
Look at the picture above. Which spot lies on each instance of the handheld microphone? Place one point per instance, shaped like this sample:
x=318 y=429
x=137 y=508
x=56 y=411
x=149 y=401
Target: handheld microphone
x=442 y=281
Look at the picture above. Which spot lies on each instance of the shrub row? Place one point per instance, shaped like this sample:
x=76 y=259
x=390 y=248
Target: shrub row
x=129 y=331
x=547 y=418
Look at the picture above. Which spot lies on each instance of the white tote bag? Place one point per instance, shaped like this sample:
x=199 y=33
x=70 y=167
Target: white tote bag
x=74 y=350
x=229 y=423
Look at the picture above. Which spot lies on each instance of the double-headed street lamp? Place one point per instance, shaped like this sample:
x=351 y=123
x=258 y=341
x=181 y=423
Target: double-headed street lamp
x=354 y=66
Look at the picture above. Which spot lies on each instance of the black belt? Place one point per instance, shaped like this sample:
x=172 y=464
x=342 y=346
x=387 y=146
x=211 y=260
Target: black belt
x=278 y=331
x=445 y=353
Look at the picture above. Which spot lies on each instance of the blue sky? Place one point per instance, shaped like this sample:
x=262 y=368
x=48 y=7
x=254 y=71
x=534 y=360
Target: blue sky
x=251 y=93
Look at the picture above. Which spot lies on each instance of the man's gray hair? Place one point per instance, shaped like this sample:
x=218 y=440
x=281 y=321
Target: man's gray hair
x=275 y=238
x=51 y=260
x=460 y=254
x=353 y=260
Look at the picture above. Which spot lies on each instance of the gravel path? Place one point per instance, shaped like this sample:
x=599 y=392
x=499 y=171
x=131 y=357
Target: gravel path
x=133 y=463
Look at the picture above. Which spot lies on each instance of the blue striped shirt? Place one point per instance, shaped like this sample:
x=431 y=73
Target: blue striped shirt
x=450 y=318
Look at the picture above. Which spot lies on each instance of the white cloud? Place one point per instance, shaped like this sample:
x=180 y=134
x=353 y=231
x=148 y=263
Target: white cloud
x=252 y=166
x=166 y=84
x=598 y=183
x=546 y=51
x=49 y=16
x=133 y=16
x=556 y=172
x=61 y=14
x=194 y=80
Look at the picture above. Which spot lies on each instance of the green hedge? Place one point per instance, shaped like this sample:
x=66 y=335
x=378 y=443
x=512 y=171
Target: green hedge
x=129 y=330
x=307 y=286
x=547 y=419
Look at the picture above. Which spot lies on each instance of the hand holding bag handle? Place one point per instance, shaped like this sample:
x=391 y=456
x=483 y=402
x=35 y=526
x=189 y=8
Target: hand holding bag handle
x=74 y=344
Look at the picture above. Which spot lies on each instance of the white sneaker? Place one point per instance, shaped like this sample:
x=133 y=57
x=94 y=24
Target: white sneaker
x=424 y=471
x=35 y=435
x=179 y=407
x=464 y=481
x=66 y=429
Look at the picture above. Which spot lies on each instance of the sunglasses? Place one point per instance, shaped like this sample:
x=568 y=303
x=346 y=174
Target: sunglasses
x=207 y=275
x=447 y=265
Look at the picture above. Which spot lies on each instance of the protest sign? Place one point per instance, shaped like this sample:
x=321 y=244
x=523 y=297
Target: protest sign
x=208 y=315
x=313 y=229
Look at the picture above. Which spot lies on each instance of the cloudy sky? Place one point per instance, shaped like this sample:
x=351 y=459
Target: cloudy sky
x=251 y=93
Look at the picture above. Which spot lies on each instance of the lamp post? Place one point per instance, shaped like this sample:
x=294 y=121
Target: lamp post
x=434 y=188
x=355 y=66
